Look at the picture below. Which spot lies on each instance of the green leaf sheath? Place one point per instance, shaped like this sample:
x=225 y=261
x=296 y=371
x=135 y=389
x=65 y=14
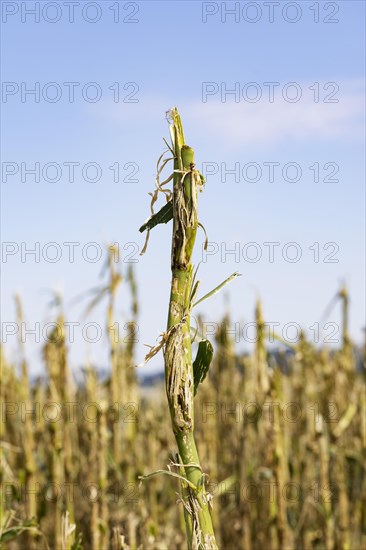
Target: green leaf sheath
x=178 y=354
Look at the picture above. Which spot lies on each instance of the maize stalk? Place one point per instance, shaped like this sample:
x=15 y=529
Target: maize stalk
x=181 y=375
x=178 y=349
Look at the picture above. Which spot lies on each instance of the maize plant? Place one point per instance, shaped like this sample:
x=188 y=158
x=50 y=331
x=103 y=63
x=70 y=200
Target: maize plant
x=182 y=375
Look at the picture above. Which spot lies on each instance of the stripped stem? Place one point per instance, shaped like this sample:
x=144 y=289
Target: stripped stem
x=178 y=350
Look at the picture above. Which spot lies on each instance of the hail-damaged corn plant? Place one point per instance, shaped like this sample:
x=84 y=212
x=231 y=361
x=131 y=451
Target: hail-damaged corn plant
x=182 y=375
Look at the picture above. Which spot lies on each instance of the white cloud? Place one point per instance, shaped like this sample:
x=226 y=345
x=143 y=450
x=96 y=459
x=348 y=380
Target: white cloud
x=273 y=122
x=261 y=122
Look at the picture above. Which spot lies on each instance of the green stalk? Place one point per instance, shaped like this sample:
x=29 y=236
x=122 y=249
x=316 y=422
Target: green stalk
x=178 y=350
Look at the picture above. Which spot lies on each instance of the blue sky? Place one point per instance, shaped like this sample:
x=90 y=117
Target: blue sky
x=164 y=59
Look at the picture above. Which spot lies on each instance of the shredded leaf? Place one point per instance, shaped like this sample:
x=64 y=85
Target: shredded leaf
x=168 y=473
x=164 y=215
x=218 y=288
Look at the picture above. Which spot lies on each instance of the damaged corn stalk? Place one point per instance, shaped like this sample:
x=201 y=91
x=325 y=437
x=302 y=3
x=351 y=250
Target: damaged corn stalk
x=182 y=375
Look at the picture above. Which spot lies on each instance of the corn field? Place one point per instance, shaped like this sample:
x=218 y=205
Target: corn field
x=281 y=439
